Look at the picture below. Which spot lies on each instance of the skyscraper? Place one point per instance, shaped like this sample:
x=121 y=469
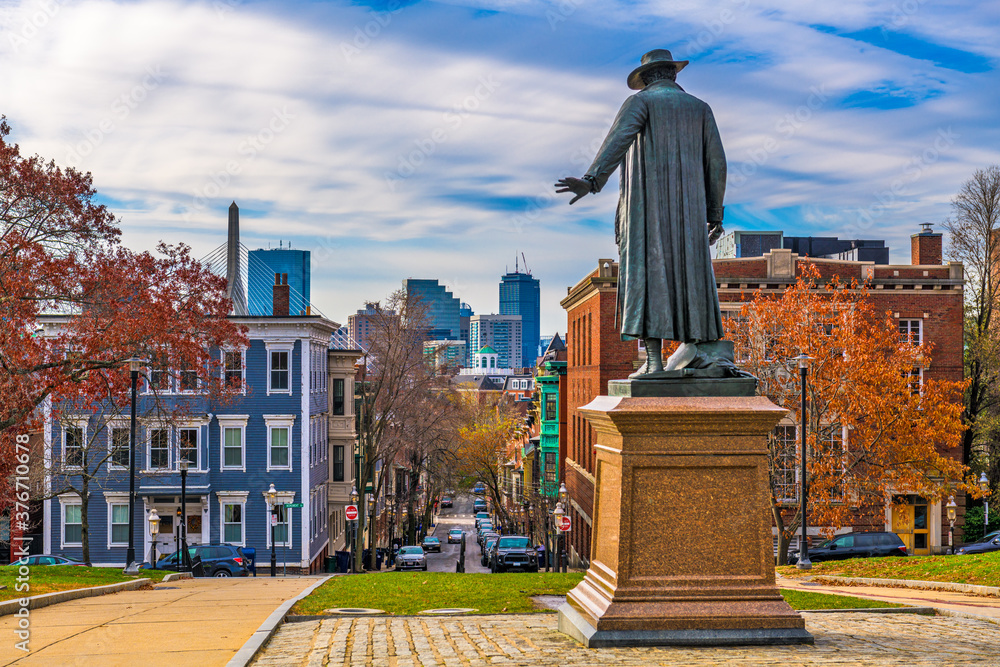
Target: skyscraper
x=465 y=313
x=442 y=308
x=263 y=264
x=520 y=295
x=502 y=333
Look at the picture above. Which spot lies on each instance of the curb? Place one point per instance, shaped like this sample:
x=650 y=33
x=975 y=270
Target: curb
x=252 y=647
x=175 y=576
x=923 y=611
x=48 y=599
x=971 y=589
x=968 y=614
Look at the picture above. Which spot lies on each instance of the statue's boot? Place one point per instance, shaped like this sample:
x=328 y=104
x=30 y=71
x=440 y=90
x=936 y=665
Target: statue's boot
x=684 y=355
x=654 y=359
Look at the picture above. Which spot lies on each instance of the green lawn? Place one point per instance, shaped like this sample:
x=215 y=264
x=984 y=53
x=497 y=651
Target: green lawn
x=52 y=578
x=413 y=592
x=981 y=569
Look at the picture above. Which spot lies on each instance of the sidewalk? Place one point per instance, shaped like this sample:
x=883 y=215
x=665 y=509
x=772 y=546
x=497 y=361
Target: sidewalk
x=196 y=622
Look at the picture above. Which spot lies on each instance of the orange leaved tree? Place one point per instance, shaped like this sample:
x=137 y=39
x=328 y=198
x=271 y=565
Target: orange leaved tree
x=876 y=426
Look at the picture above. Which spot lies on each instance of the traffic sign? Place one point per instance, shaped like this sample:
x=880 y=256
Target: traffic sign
x=293 y=505
x=565 y=523
x=351 y=512
x=274 y=519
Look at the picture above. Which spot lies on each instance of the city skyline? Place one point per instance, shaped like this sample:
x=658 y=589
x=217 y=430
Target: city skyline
x=398 y=139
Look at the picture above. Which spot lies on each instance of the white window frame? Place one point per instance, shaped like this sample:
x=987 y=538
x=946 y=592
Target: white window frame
x=73 y=422
x=275 y=422
x=112 y=499
x=148 y=432
x=243 y=368
x=110 y=428
x=283 y=498
x=196 y=464
x=275 y=346
x=177 y=381
x=919 y=340
x=67 y=500
x=238 y=422
x=233 y=498
x=148 y=387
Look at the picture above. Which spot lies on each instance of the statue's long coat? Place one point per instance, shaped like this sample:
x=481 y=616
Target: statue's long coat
x=673 y=178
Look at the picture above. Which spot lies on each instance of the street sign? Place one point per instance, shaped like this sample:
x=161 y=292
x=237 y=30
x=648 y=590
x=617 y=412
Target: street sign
x=351 y=512
x=565 y=523
x=293 y=505
x=274 y=519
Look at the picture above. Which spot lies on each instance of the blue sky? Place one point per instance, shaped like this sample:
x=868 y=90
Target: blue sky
x=421 y=139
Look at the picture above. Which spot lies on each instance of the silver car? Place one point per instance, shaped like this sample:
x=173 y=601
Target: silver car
x=411 y=558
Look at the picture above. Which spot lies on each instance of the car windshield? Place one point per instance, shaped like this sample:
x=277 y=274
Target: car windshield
x=989 y=537
x=456 y=531
x=411 y=551
x=431 y=540
x=513 y=543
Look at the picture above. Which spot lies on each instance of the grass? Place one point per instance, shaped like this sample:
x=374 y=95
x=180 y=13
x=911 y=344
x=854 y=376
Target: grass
x=52 y=578
x=980 y=569
x=413 y=592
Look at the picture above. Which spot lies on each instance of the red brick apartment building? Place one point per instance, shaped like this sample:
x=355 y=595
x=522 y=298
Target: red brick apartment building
x=925 y=296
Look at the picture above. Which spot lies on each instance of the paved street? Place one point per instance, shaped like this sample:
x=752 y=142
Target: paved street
x=459 y=516
x=532 y=640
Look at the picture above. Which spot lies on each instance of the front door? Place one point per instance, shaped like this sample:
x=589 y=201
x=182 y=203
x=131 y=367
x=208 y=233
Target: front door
x=911 y=521
x=902 y=524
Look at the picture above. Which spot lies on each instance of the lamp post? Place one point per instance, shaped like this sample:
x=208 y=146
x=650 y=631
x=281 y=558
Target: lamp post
x=185 y=557
x=564 y=503
x=272 y=500
x=804 y=562
x=372 y=544
x=133 y=364
x=557 y=515
x=354 y=532
x=952 y=514
x=984 y=484
x=154 y=530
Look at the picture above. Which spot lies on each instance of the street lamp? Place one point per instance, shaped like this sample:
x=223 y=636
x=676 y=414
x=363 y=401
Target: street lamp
x=557 y=515
x=354 y=531
x=804 y=562
x=185 y=557
x=154 y=530
x=984 y=484
x=134 y=364
x=372 y=545
x=952 y=515
x=272 y=499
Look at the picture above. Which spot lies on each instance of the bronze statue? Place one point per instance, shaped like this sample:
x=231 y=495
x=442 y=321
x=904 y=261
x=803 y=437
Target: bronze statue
x=673 y=179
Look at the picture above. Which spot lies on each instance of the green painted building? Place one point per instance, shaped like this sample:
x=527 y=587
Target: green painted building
x=548 y=445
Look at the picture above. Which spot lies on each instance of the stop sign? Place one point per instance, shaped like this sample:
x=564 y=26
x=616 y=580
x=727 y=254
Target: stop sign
x=565 y=523
x=351 y=512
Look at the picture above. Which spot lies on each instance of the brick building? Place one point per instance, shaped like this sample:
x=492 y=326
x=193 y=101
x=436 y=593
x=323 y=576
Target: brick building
x=925 y=297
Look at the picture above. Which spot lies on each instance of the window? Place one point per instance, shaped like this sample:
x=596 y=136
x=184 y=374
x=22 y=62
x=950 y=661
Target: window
x=281 y=528
x=551 y=406
x=187 y=443
x=119 y=524
x=187 y=380
x=338 y=396
x=159 y=374
x=910 y=331
x=232 y=370
x=159 y=449
x=73 y=446
x=72 y=525
x=232 y=523
x=785 y=463
x=279 y=371
x=917 y=381
x=232 y=447
x=550 y=467
x=279 y=447
x=279 y=441
x=338 y=463
x=121 y=447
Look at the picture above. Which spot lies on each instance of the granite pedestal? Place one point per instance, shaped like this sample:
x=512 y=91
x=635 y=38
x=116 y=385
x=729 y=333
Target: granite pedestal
x=682 y=549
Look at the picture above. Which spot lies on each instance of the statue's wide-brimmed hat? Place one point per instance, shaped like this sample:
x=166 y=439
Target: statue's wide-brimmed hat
x=652 y=60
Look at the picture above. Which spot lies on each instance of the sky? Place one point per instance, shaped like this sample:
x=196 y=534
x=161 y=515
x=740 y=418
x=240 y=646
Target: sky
x=421 y=139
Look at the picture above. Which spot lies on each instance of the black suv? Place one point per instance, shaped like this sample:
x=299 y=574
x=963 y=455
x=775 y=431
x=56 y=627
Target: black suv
x=513 y=552
x=208 y=560
x=856 y=545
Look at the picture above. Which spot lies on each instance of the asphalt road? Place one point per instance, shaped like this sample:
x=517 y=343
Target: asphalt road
x=459 y=516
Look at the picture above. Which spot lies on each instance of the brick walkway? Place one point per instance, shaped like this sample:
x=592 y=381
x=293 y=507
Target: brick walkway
x=532 y=640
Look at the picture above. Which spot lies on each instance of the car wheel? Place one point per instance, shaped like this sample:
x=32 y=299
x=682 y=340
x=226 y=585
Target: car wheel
x=222 y=573
x=425 y=568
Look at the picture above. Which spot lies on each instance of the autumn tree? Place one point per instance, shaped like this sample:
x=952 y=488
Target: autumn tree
x=874 y=428
x=76 y=304
x=974 y=232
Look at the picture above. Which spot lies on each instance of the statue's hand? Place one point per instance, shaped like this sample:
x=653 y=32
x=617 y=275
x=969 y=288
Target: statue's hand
x=715 y=231
x=577 y=186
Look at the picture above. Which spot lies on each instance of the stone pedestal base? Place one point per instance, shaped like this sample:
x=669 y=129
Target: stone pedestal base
x=682 y=548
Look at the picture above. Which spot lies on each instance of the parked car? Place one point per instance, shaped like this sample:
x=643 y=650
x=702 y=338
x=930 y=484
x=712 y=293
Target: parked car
x=479 y=505
x=431 y=543
x=446 y=501
x=480 y=517
x=487 y=549
x=411 y=558
x=479 y=489
x=215 y=560
x=855 y=545
x=513 y=552
x=46 y=559
x=486 y=536
x=455 y=535
x=485 y=527
x=990 y=542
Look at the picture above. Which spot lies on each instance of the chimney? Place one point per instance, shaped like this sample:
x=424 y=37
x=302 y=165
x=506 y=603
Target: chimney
x=281 y=299
x=925 y=247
